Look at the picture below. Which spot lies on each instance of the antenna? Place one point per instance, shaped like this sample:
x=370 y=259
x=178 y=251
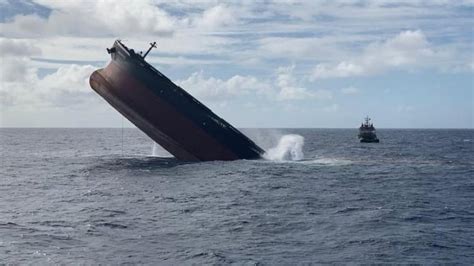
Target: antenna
x=152 y=45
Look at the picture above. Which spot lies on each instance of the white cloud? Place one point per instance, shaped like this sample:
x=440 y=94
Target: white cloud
x=79 y=30
x=329 y=39
x=102 y=18
x=93 y=49
x=405 y=108
x=290 y=88
x=294 y=93
x=14 y=55
x=341 y=70
x=93 y=18
x=13 y=69
x=308 y=48
x=331 y=108
x=68 y=85
x=214 y=89
x=407 y=49
x=349 y=90
x=216 y=17
x=72 y=78
x=28 y=98
x=285 y=87
x=17 y=48
x=470 y=66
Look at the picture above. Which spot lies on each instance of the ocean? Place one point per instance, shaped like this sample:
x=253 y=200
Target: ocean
x=110 y=196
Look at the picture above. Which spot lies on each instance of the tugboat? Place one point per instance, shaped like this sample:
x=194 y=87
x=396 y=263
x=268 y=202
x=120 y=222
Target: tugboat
x=367 y=132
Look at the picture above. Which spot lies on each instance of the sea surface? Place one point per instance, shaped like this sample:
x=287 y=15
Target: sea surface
x=89 y=196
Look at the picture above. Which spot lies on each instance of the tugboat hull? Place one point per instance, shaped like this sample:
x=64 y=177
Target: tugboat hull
x=166 y=113
x=369 y=141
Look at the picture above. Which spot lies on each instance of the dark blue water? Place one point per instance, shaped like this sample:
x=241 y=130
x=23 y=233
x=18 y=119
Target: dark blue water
x=76 y=196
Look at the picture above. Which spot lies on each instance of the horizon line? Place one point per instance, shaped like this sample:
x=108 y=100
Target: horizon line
x=469 y=128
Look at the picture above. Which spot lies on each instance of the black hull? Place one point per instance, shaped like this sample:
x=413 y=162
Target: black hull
x=167 y=113
x=369 y=141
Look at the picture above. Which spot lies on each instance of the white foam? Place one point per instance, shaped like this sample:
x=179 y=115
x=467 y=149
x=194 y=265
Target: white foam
x=329 y=161
x=289 y=148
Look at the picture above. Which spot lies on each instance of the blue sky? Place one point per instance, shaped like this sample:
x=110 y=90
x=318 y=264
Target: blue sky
x=407 y=64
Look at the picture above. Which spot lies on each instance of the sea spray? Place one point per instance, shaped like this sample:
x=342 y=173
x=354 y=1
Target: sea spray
x=289 y=148
x=265 y=138
x=154 y=149
x=158 y=151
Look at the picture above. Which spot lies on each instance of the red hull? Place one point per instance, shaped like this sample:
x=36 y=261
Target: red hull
x=166 y=113
x=155 y=117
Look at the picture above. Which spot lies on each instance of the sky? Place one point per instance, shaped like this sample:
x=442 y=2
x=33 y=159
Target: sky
x=310 y=64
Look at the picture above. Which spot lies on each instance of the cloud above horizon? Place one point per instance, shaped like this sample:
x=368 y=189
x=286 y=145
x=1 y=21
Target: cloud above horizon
x=300 y=55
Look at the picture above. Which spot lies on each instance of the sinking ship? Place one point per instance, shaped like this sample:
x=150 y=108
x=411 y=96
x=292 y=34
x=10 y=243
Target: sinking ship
x=367 y=132
x=165 y=112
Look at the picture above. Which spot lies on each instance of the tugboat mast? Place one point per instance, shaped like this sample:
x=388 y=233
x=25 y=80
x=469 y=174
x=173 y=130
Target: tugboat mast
x=152 y=45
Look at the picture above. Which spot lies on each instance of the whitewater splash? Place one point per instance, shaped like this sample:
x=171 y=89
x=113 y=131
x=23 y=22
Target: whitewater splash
x=154 y=149
x=289 y=148
x=158 y=151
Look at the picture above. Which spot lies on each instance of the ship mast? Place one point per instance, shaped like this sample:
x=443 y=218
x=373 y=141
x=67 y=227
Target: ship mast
x=367 y=119
x=152 y=45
